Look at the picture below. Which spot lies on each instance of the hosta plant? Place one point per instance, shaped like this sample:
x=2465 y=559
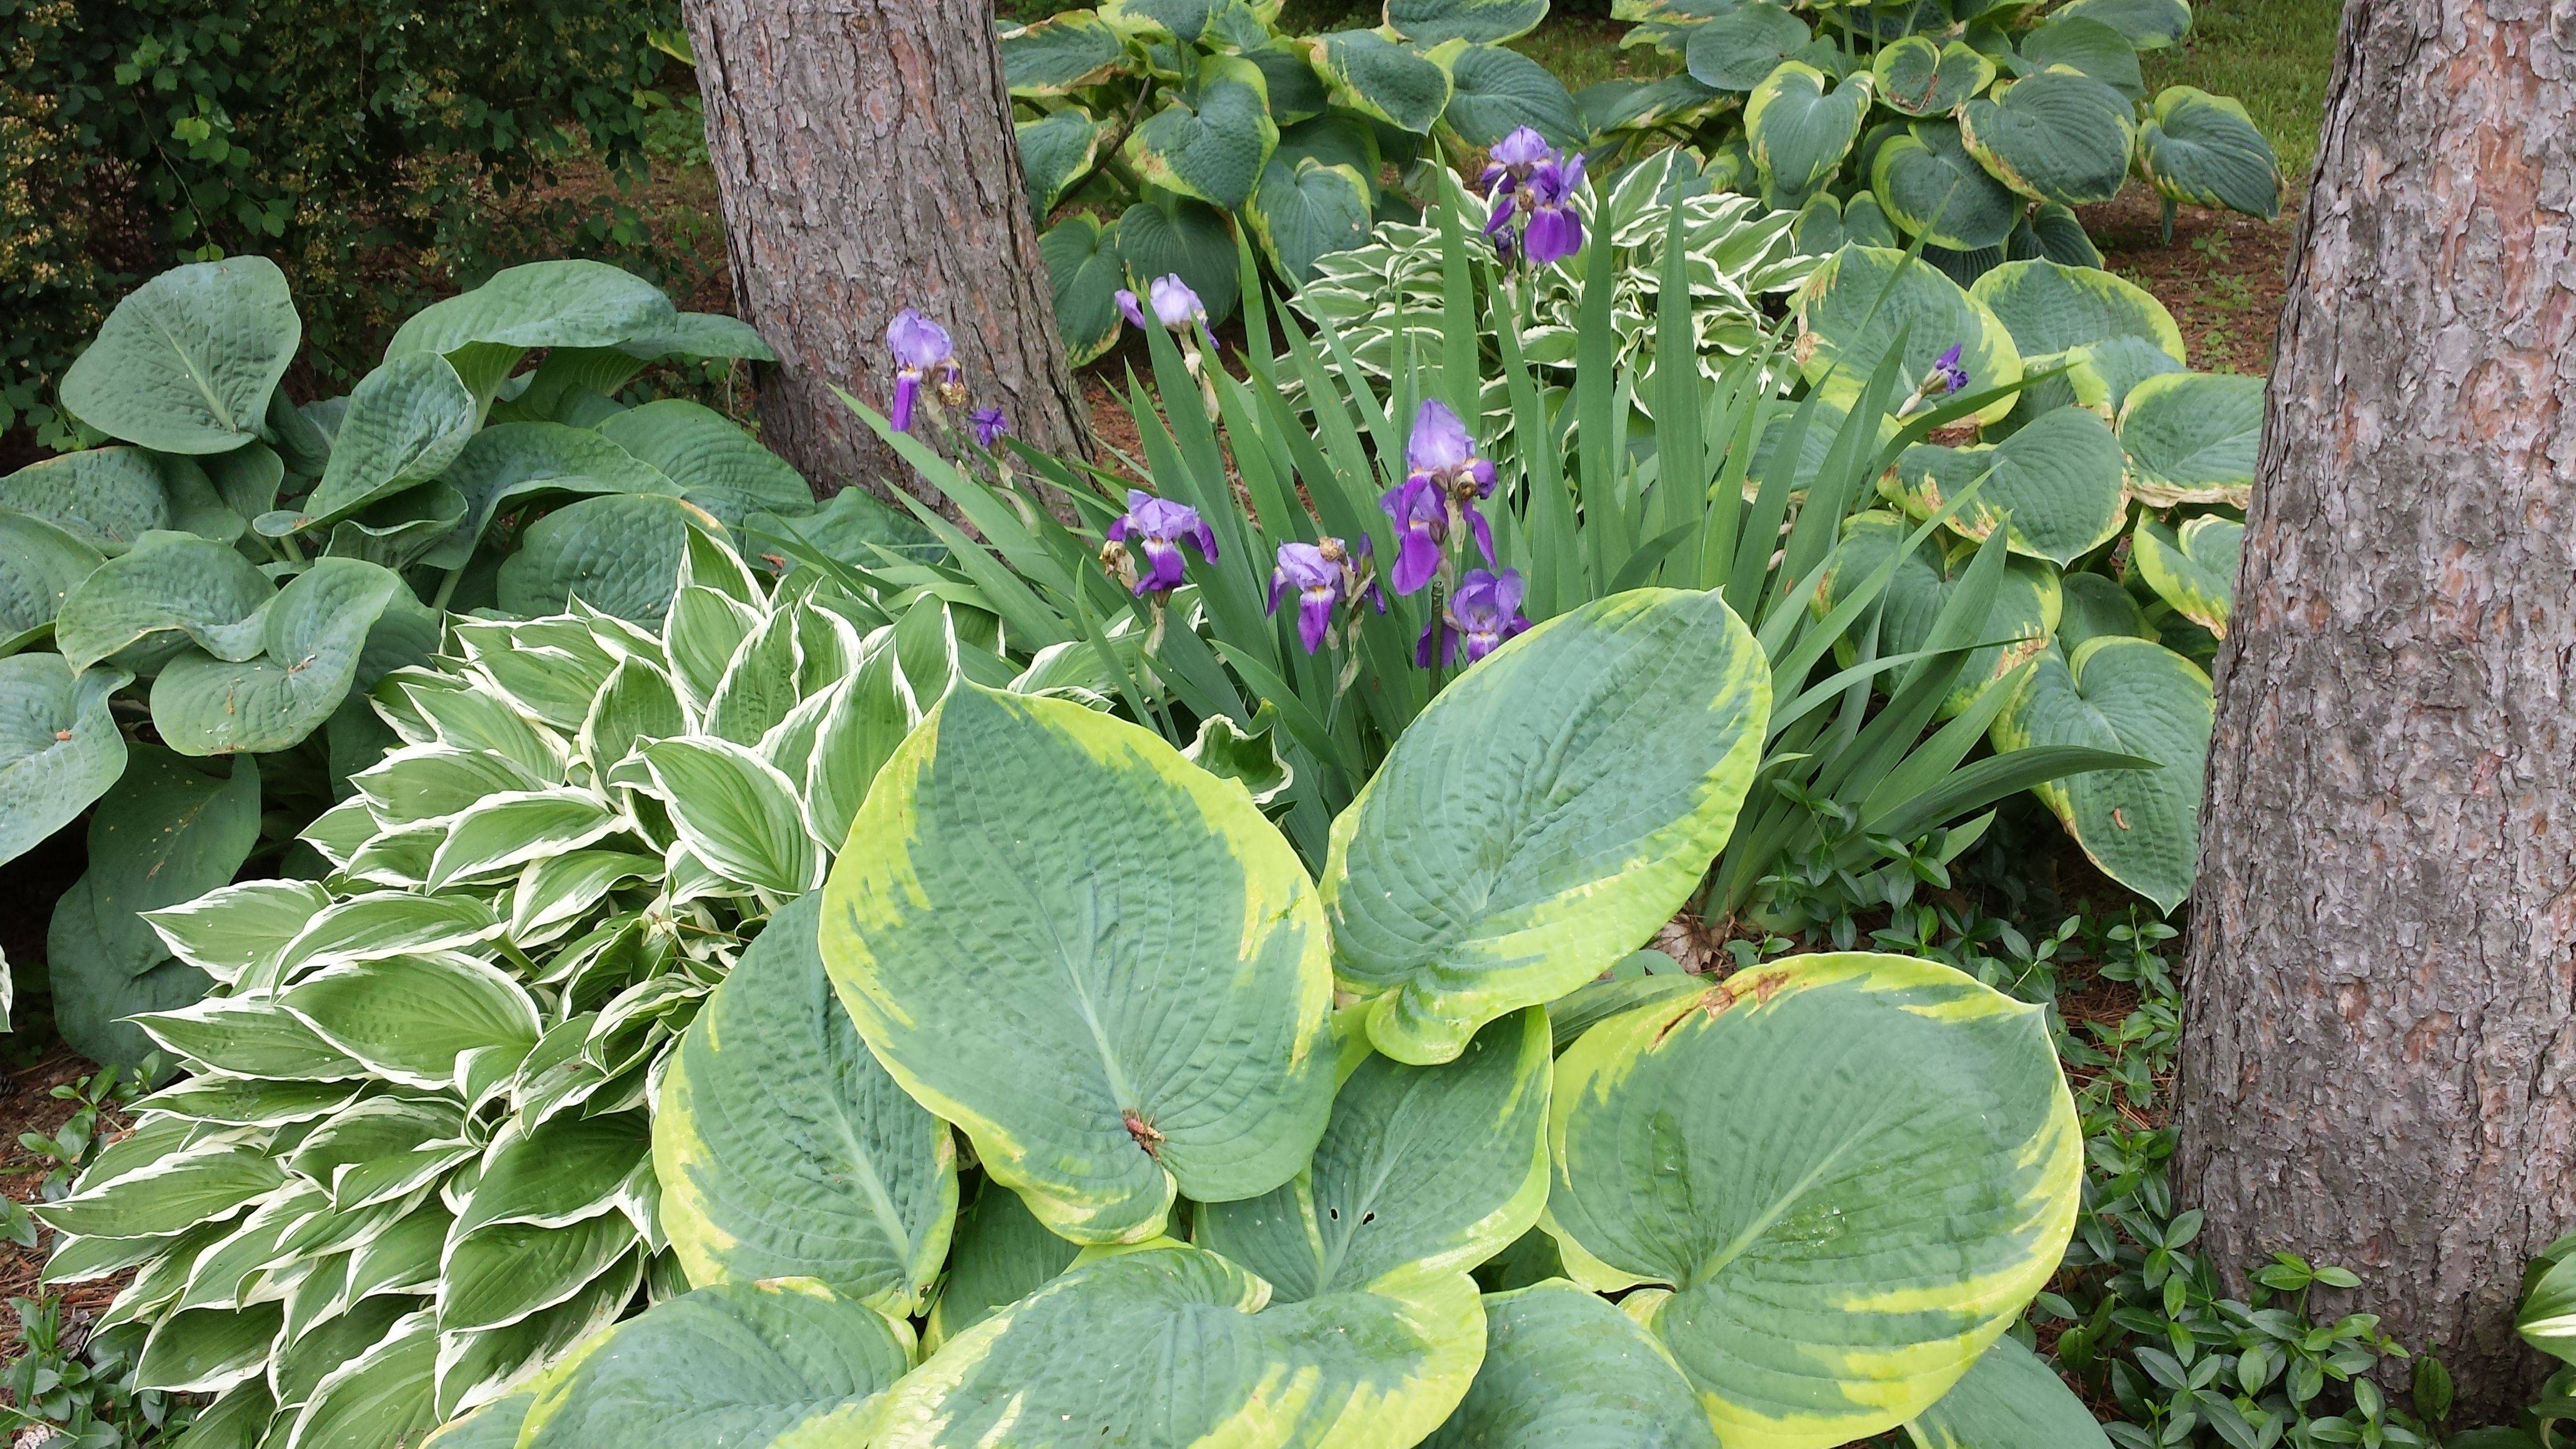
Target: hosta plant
x=189 y=609
x=1163 y=128
x=1975 y=126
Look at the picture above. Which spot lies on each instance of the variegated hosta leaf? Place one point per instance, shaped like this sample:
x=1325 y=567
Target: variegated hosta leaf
x=2194 y=568
x=783 y=1148
x=737 y=813
x=1405 y=86
x=1210 y=143
x=439 y=1019
x=2026 y=607
x=778 y=1363
x=250 y=1038
x=2142 y=827
x=561 y=1172
x=1109 y=908
x=1565 y=1369
x=1851 y=1170
x=186 y=362
x=1920 y=76
x=2057 y=135
x=1545 y=815
x=2202 y=148
x=2147 y=24
x=1932 y=188
x=1801 y=124
x=2051 y=308
x=2012 y=1399
x=1420 y=1168
x=1738 y=48
x=384 y=1396
x=2097 y=604
x=1055 y=151
x=1481 y=22
x=168 y=1196
x=1080 y=1362
x=1058 y=56
x=1084 y=275
x=1002 y=1255
x=2057 y=485
x=1855 y=307
x=2193 y=437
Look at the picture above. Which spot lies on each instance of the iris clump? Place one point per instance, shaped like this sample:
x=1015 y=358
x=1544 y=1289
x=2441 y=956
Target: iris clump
x=1531 y=187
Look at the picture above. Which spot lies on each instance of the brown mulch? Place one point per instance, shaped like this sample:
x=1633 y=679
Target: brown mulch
x=28 y=1105
x=2224 y=276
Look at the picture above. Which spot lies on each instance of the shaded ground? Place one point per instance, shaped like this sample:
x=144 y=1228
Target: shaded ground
x=2223 y=277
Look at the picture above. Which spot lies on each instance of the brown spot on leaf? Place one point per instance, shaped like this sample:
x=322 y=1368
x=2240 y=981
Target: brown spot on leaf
x=1143 y=1133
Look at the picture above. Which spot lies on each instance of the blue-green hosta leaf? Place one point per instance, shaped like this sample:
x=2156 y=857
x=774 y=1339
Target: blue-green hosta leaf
x=109 y=497
x=1403 y=86
x=407 y=421
x=718 y=466
x=2193 y=437
x=1072 y=1364
x=2051 y=308
x=1003 y=1254
x=781 y=1364
x=2142 y=827
x=250 y=1038
x=619 y=554
x=1070 y=52
x=2026 y=605
x=2193 y=569
x=1303 y=210
x=1851 y=1170
x=426 y=1021
x=1919 y=76
x=2147 y=24
x=96 y=988
x=59 y=747
x=783 y=1148
x=1055 y=151
x=169 y=590
x=2060 y=479
x=1800 y=130
x=1933 y=188
x=1479 y=22
x=1111 y=908
x=187 y=361
x=508 y=462
x=2089 y=46
x=1565 y=1369
x=40 y=565
x=1210 y=144
x=312 y=637
x=1182 y=236
x=737 y=813
x=1420 y=1168
x=167 y=831
x=1545 y=815
x=2118 y=365
x=540 y=304
x=2012 y=1399
x=493 y=1426
x=1185 y=20
x=2095 y=605
x=1855 y=307
x=700 y=334
x=1085 y=273
x=2202 y=148
x=1742 y=45
x=1494 y=91
x=2057 y=136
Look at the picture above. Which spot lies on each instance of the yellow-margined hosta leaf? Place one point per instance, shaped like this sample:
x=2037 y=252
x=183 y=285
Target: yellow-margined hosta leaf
x=2193 y=568
x=1565 y=1369
x=2012 y=1399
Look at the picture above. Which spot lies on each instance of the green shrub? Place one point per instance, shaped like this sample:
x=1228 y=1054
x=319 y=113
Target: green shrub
x=219 y=583
x=335 y=135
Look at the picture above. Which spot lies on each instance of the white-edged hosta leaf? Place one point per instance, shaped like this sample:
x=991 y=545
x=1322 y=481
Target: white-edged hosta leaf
x=247 y=1101
x=433 y=781
x=495 y=1276
x=1851 y=1170
x=250 y=1038
x=187 y=361
x=208 y=1350
x=2142 y=827
x=1565 y=1369
x=554 y=893
x=307 y=1358
x=169 y=1196
x=637 y=704
x=383 y=1396
x=493 y=1426
x=783 y=1148
x=759 y=685
x=1110 y=908
x=1420 y=1168
x=472 y=720
x=854 y=740
x=2012 y=1399
x=59 y=747
x=1002 y=1255
x=736 y=812
x=373 y=926
x=503 y=832
x=2193 y=568
x=550 y=668
x=412 y=1018
x=568 y=1169
x=1545 y=815
x=478 y=1365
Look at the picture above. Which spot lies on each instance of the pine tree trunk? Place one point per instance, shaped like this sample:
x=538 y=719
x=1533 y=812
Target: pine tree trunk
x=865 y=162
x=2379 y=1057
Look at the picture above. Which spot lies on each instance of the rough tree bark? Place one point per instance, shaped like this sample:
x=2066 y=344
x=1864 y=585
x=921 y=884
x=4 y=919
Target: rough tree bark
x=865 y=163
x=2379 y=1056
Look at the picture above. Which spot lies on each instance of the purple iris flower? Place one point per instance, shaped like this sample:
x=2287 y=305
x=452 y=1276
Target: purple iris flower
x=919 y=346
x=1130 y=308
x=990 y=425
x=1325 y=575
x=1483 y=613
x=1444 y=482
x=1159 y=525
x=1512 y=159
x=1421 y=529
x=1953 y=377
x=1531 y=187
x=1555 y=231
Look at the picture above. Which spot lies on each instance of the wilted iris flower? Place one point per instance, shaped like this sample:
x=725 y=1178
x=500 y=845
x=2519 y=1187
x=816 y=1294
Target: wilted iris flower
x=1325 y=575
x=1158 y=525
x=1946 y=376
x=920 y=347
x=1484 y=612
x=1443 y=483
x=990 y=425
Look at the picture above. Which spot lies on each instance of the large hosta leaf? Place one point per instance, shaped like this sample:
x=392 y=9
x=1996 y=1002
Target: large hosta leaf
x=2096 y=49
x=2194 y=568
x=2051 y=308
x=168 y=831
x=718 y=466
x=1800 y=130
x=2025 y=609
x=1739 y=47
x=2193 y=437
x=1211 y=143
x=1482 y=22
x=59 y=747
x=785 y=1151
x=407 y=421
x=1003 y=1254
x=186 y=362
x=1934 y=189
x=1922 y=77
x=2012 y=1399
x=540 y=304
x=2202 y=148
x=1061 y=55
x=168 y=591
x=40 y=565
x=1421 y=1167
x=783 y=1363
x=1851 y=1170
x=1055 y=151
x=2059 y=135
x=1494 y=91
x=2147 y=24
x=1304 y=210
x=2142 y=827
x=619 y=554
x=110 y=497
x=1179 y=236
x=1173 y=1345
x=1855 y=308
x=1395 y=83
x=1108 y=909
x=1606 y=752
x=2059 y=481
x=311 y=638
x=1565 y=1369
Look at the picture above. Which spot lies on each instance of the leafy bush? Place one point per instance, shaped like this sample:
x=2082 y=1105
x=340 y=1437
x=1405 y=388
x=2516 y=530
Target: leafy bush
x=323 y=132
x=569 y=1030
x=1170 y=117
x=218 y=583
x=1974 y=126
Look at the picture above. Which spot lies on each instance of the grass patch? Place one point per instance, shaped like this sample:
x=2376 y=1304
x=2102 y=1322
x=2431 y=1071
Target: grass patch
x=2274 y=55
